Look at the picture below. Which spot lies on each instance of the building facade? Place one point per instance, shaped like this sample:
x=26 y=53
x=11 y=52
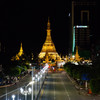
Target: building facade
x=83 y=23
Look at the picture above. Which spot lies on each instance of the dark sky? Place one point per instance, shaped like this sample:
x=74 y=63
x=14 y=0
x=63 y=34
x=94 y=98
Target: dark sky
x=26 y=21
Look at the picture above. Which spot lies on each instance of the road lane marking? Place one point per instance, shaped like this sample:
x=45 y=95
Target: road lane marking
x=65 y=89
x=54 y=90
x=42 y=92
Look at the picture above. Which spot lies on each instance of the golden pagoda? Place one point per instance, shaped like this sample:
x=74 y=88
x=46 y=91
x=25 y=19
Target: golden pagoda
x=48 y=45
x=20 y=53
x=77 y=57
x=47 y=58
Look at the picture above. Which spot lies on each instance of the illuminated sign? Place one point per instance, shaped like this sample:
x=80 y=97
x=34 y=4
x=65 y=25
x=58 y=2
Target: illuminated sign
x=73 y=39
x=79 y=26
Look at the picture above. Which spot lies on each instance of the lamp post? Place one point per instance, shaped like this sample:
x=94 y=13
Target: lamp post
x=36 y=78
x=39 y=79
x=33 y=78
x=32 y=84
x=26 y=92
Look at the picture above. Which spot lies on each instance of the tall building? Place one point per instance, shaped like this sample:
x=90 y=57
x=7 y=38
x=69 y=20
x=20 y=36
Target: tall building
x=48 y=46
x=83 y=23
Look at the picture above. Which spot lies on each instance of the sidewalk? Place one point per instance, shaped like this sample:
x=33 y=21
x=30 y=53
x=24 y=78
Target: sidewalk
x=8 y=85
x=23 y=81
x=20 y=83
x=81 y=91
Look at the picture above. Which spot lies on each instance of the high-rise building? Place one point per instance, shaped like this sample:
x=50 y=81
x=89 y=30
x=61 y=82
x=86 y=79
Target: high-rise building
x=48 y=46
x=83 y=23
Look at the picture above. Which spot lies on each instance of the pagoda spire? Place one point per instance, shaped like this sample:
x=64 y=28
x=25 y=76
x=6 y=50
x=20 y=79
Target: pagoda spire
x=48 y=28
x=77 y=55
x=48 y=37
x=21 y=50
x=20 y=53
x=48 y=24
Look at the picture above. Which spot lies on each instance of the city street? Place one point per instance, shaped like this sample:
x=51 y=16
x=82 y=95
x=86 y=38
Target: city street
x=58 y=87
x=49 y=50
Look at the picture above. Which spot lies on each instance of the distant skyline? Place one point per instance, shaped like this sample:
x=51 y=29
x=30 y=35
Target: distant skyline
x=26 y=21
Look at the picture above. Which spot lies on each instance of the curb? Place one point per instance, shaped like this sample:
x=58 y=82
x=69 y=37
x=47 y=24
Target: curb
x=76 y=86
x=12 y=83
x=7 y=85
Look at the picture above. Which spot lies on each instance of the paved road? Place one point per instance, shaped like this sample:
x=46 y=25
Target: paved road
x=58 y=87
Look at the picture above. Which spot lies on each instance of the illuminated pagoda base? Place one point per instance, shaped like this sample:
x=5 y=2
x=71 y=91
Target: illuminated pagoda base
x=46 y=58
x=49 y=46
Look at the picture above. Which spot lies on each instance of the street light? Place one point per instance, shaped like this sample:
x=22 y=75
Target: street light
x=37 y=78
x=36 y=85
x=26 y=92
x=30 y=90
x=13 y=97
x=33 y=78
x=39 y=81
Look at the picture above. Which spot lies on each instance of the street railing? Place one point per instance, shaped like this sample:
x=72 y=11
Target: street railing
x=30 y=91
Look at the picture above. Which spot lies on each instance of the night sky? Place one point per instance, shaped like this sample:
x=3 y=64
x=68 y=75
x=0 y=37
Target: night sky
x=26 y=21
